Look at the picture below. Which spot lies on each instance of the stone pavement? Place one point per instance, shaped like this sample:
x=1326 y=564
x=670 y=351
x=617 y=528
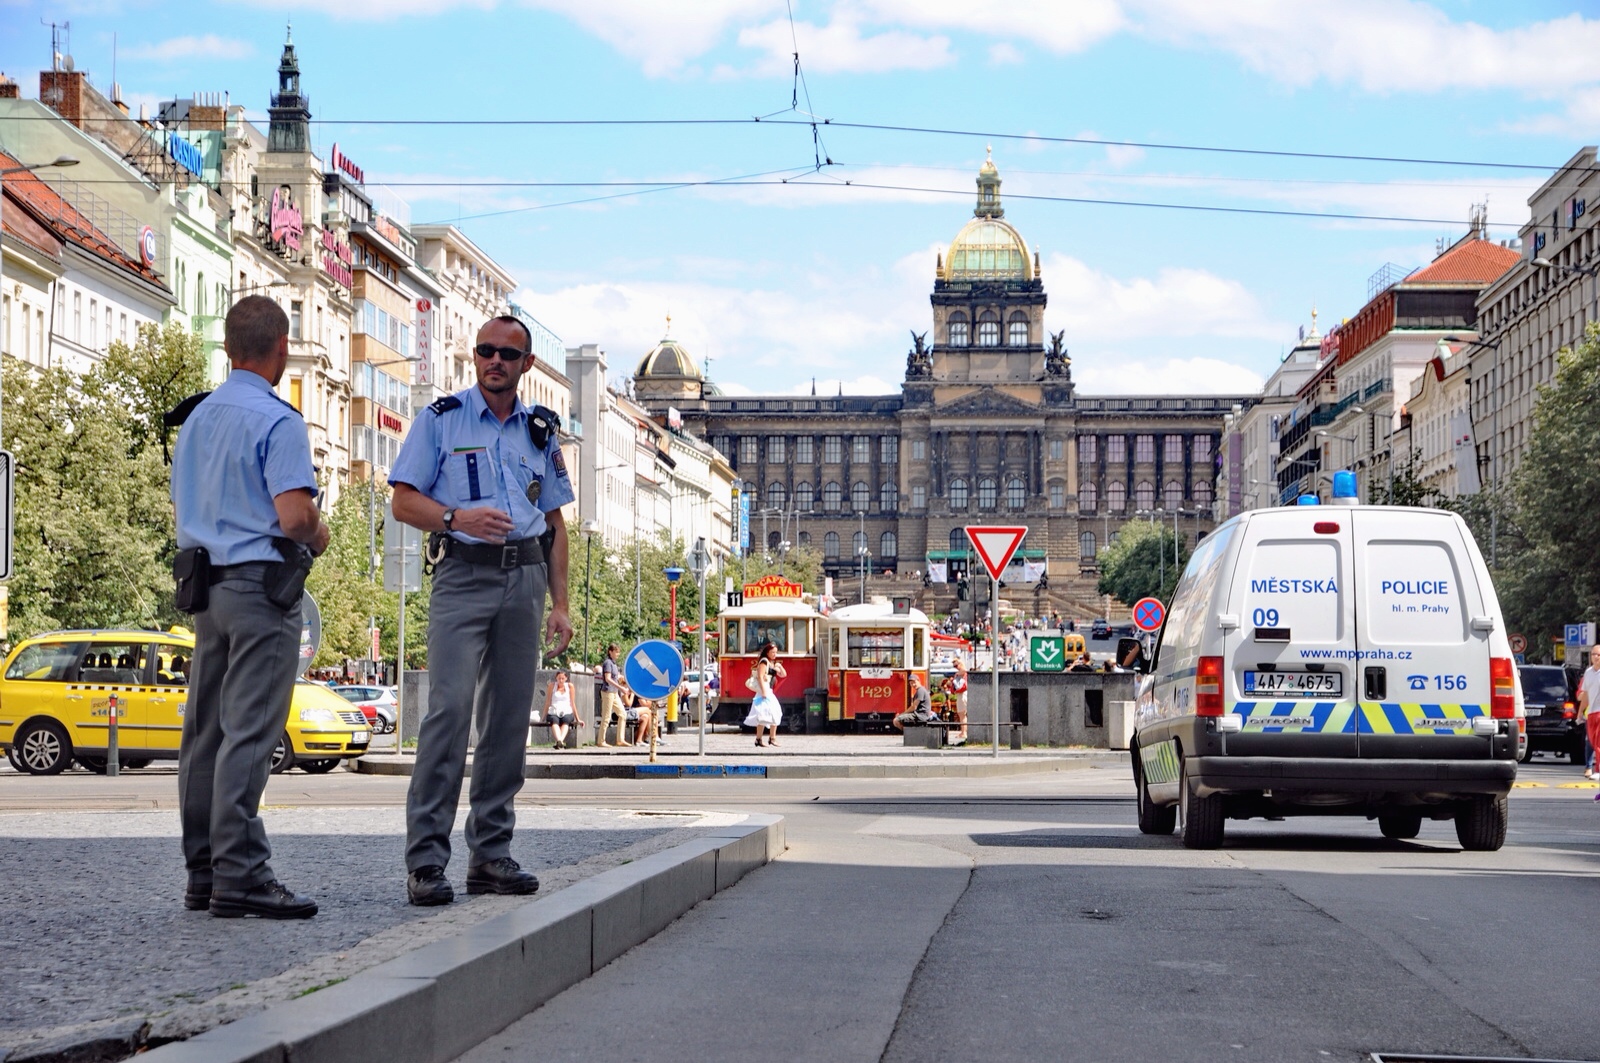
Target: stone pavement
x=95 y=939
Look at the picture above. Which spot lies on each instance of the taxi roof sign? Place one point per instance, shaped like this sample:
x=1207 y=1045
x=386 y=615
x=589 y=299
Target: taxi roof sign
x=996 y=545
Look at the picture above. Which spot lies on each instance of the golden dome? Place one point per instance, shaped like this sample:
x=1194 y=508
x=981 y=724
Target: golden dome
x=668 y=359
x=988 y=249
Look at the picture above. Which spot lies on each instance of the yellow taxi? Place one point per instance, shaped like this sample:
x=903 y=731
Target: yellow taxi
x=56 y=689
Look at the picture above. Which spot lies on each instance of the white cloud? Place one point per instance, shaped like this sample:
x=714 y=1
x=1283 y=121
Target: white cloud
x=209 y=46
x=1005 y=54
x=1121 y=373
x=841 y=47
x=1106 y=311
x=855 y=328
x=1060 y=27
x=1380 y=45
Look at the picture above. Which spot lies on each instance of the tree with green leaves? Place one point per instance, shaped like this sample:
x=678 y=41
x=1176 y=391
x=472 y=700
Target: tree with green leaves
x=1133 y=567
x=95 y=534
x=1550 y=569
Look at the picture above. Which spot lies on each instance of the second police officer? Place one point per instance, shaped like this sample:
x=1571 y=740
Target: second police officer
x=485 y=474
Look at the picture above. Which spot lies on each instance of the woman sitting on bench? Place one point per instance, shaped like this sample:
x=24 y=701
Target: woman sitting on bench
x=558 y=710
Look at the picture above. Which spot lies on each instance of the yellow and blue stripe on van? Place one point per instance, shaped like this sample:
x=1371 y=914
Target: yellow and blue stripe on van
x=1349 y=717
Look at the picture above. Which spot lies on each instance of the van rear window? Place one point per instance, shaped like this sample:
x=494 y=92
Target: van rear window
x=1412 y=595
x=1296 y=584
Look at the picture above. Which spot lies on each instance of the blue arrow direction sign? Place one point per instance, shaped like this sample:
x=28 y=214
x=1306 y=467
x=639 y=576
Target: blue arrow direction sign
x=653 y=668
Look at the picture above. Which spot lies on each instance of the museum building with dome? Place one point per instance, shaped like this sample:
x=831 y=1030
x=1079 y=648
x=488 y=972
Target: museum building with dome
x=987 y=428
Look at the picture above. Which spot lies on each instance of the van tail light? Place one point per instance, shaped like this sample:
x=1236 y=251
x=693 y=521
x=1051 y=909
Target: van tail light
x=1502 y=689
x=1208 y=687
x=1568 y=709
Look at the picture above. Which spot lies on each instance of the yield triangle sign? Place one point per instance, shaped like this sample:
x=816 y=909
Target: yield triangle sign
x=996 y=545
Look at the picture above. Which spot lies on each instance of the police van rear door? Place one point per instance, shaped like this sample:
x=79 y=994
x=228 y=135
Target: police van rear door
x=1424 y=672
x=1289 y=662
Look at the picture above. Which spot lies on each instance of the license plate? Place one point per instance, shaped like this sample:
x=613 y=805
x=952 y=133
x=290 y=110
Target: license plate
x=1315 y=683
x=360 y=736
x=1535 y=710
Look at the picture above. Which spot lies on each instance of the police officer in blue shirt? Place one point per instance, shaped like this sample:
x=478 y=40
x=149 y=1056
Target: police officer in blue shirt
x=241 y=477
x=484 y=473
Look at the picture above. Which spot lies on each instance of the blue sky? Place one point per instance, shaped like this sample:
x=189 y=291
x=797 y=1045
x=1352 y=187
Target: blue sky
x=782 y=283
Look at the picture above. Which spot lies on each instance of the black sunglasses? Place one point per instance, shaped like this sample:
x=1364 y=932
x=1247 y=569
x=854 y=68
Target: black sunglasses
x=505 y=354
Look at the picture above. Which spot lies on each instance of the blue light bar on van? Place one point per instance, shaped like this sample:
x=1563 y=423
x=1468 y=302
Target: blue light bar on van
x=1309 y=500
x=1344 y=488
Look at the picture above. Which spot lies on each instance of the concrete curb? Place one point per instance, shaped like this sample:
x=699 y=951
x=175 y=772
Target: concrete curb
x=965 y=767
x=433 y=1004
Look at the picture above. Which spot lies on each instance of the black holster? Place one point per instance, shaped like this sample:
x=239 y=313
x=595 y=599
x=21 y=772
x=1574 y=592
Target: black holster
x=285 y=581
x=191 y=571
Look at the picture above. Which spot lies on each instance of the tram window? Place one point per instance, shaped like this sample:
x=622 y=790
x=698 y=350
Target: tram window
x=802 y=637
x=730 y=638
x=757 y=632
x=833 y=647
x=919 y=642
x=877 y=649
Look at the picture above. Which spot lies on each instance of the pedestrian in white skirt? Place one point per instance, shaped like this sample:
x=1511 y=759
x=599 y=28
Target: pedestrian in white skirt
x=765 y=710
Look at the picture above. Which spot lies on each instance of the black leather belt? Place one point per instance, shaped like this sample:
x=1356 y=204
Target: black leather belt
x=512 y=554
x=253 y=571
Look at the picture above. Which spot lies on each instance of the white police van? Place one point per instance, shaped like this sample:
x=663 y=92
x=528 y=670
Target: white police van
x=1331 y=660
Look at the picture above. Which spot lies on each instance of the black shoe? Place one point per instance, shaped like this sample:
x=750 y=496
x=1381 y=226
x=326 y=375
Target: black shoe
x=504 y=875
x=197 y=895
x=270 y=900
x=427 y=886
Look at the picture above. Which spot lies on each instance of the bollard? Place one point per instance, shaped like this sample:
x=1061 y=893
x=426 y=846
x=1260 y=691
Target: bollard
x=113 y=761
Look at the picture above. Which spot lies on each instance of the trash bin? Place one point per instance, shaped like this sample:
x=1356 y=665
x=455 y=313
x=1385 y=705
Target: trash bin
x=816 y=720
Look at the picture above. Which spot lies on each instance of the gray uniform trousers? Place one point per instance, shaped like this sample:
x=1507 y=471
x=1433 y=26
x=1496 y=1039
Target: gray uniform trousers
x=246 y=656
x=484 y=630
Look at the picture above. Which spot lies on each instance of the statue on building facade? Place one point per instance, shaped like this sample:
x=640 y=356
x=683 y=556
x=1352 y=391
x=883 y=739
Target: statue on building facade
x=919 y=362
x=1056 y=362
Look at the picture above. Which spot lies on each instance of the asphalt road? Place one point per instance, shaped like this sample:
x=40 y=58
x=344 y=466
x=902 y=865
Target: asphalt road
x=1026 y=918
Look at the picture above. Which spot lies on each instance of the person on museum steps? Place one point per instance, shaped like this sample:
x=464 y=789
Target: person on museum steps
x=484 y=475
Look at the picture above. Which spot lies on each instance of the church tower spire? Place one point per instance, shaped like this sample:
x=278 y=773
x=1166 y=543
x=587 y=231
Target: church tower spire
x=290 y=113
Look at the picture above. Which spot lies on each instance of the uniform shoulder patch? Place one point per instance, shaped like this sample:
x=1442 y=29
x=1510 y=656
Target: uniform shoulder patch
x=445 y=405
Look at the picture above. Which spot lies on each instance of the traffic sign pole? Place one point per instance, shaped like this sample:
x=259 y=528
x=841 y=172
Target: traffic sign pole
x=994 y=655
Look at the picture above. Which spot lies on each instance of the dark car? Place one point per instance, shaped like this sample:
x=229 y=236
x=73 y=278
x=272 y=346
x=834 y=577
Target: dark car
x=1100 y=629
x=1553 y=724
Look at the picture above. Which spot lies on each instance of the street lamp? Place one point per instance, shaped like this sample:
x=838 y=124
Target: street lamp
x=60 y=162
x=862 y=554
x=588 y=528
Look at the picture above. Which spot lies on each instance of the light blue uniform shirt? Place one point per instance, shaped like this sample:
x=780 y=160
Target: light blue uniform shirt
x=239 y=449
x=465 y=458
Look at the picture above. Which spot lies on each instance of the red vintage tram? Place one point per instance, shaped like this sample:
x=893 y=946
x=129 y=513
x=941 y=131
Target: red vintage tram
x=870 y=653
x=859 y=656
x=774 y=610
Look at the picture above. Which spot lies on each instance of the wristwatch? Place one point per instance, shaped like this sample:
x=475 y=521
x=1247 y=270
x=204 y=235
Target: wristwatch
x=448 y=518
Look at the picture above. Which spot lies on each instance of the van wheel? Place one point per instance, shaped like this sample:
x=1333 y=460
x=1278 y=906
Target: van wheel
x=1201 y=817
x=1481 y=823
x=319 y=767
x=1153 y=818
x=1400 y=825
x=98 y=765
x=282 y=755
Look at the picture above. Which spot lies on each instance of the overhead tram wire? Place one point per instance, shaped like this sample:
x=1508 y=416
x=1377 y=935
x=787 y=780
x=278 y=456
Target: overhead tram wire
x=924 y=130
